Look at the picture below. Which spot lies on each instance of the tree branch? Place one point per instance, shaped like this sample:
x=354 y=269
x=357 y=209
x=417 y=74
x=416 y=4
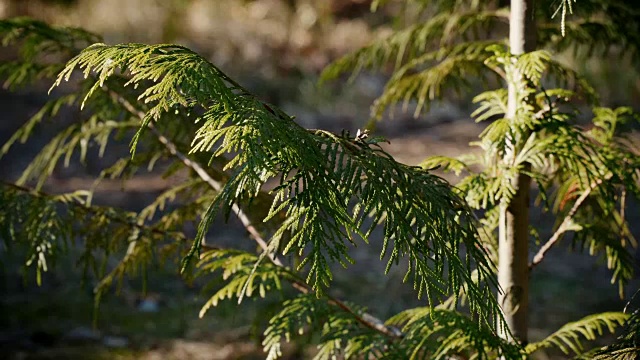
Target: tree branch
x=93 y=210
x=365 y=319
x=563 y=226
x=200 y=171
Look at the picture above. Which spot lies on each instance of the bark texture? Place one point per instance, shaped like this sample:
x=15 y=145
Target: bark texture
x=513 y=271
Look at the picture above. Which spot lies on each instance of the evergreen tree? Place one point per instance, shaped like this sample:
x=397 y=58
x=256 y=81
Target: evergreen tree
x=532 y=137
x=333 y=189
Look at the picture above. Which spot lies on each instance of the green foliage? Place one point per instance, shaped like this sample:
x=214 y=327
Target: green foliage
x=445 y=48
x=567 y=338
x=38 y=39
x=584 y=176
x=547 y=136
x=340 y=332
x=558 y=152
x=243 y=273
x=47 y=225
x=314 y=194
x=627 y=346
x=427 y=333
x=330 y=173
x=186 y=116
x=426 y=58
x=441 y=333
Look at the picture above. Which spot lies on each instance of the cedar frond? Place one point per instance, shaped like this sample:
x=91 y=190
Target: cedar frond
x=34 y=39
x=627 y=346
x=321 y=174
x=244 y=275
x=441 y=333
x=47 y=225
x=450 y=68
x=406 y=45
x=569 y=337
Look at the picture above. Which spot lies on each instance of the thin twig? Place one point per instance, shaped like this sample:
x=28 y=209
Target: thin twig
x=365 y=319
x=202 y=173
x=563 y=226
x=93 y=210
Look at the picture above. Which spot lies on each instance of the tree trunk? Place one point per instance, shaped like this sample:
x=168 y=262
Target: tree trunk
x=513 y=253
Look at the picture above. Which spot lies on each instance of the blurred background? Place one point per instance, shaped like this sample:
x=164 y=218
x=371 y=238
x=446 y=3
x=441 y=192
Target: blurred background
x=277 y=49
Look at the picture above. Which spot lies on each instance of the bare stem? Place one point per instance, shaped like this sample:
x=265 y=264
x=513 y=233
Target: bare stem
x=202 y=173
x=563 y=226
